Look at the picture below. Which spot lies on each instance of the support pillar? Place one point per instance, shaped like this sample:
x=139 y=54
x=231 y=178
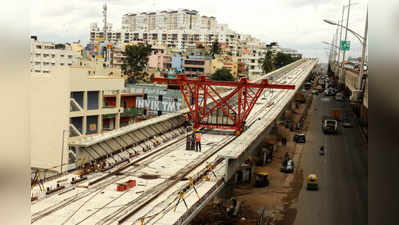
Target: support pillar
x=85 y=101
x=84 y=125
x=100 y=115
x=118 y=106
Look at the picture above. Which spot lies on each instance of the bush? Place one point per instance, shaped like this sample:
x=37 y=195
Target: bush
x=222 y=75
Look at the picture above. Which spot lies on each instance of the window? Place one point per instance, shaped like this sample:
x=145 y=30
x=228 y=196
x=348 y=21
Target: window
x=69 y=64
x=37 y=54
x=46 y=71
x=53 y=56
x=37 y=71
x=61 y=56
x=37 y=63
x=46 y=63
x=38 y=46
x=61 y=64
x=53 y=64
x=70 y=56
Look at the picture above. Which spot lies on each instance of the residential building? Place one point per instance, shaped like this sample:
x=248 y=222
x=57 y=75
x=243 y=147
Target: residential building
x=196 y=65
x=77 y=48
x=231 y=63
x=46 y=55
x=253 y=51
x=159 y=59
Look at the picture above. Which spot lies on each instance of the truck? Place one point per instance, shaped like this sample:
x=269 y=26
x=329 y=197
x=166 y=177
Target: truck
x=329 y=125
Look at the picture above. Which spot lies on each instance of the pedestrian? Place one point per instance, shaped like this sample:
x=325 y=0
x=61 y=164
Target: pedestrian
x=197 y=141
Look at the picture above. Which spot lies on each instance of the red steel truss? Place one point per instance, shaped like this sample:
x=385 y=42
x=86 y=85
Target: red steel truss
x=236 y=109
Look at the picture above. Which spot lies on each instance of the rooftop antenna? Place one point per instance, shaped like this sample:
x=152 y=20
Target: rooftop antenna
x=105 y=20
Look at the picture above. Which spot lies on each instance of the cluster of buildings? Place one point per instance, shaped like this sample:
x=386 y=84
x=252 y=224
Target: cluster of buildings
x=180 y=33
x=89 y=94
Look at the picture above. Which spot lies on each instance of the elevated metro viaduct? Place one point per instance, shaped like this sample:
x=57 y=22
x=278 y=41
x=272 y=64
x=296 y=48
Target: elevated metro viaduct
x=115 y=145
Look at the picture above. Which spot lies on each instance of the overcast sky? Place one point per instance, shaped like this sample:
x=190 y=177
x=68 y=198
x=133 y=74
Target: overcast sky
x=294 y=24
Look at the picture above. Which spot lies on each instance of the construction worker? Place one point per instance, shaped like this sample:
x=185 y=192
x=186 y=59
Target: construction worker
x=187 y=120
x=197 y=141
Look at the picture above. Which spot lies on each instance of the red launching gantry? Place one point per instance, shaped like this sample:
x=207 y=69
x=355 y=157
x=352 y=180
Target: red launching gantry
x=227 y=112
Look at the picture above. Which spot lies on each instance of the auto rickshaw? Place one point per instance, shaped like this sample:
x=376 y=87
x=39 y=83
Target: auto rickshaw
x=261 y=179
x=312 y=182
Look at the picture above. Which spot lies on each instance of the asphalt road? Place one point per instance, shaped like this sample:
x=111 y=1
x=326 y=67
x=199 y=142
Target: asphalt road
x=342 y=171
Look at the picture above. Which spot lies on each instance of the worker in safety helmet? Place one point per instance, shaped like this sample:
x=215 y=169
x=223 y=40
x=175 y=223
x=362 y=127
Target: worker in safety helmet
x=197 y=140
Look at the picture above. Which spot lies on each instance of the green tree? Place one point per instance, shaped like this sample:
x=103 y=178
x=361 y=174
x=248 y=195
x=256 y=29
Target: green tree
x=282 y=59
x=267 y=62
x=215 y=48
x=135 y=61
x=223 y=75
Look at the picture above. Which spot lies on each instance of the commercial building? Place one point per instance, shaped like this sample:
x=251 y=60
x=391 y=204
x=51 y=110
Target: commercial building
x=66 y=103
x=46 y=55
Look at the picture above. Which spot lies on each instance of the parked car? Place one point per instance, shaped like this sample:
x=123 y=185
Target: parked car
x=299 y=138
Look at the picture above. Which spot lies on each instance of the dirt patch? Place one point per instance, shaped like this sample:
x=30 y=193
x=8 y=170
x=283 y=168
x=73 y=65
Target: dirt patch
x=278 y=199
x=289 y=214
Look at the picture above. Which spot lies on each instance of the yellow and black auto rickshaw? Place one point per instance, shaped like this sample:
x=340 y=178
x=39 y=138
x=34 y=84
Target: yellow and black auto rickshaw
x=261 y=179
x=312 y=182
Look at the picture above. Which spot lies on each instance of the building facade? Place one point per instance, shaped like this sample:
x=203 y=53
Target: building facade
x=65 y=104
x=46 y=55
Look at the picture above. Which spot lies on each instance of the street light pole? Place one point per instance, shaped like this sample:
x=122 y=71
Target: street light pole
x=342 y=79
x=62 y=148
x=335 y=43
x=364 y=45
x=340 y=38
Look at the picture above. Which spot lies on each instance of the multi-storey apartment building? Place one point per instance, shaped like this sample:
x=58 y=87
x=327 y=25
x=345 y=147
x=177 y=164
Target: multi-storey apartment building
x=185 y=30
x=173 y=29
x=46 y=55
x=252 y=51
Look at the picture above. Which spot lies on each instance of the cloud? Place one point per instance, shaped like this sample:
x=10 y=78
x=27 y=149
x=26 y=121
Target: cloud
x=293 y=23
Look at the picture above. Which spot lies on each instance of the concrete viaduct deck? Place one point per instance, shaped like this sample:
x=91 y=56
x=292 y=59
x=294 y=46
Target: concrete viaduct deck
x=172 y=184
